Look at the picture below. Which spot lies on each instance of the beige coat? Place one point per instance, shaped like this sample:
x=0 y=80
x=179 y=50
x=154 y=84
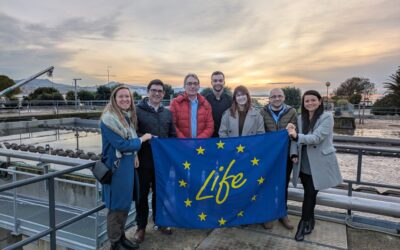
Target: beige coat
x=321 y=154
x=253 y=124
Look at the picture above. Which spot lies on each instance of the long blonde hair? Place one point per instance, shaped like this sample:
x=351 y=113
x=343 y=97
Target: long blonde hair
x=113 y=108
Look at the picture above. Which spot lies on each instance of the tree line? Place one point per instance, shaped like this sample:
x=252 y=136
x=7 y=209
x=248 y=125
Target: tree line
x=354 y=90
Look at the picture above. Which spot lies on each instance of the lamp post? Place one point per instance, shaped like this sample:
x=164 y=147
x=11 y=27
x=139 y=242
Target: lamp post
x=76 y=93
x=327 y=84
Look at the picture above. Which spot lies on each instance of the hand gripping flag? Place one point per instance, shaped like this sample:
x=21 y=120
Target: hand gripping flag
x=219 y=182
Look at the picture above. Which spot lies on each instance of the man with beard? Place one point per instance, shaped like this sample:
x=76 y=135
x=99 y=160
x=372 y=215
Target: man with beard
x=276 y=116
x=152 y=118
x=218 y=100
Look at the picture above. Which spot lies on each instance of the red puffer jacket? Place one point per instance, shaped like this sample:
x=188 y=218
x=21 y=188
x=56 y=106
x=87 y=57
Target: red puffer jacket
x=180 y=108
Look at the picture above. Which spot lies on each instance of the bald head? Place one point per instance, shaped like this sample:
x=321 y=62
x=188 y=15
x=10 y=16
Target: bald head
x=276 y=98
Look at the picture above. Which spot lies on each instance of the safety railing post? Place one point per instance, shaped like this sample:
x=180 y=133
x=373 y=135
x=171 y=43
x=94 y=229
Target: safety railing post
x=359 y=164
x=15 y=203
x=52 y=214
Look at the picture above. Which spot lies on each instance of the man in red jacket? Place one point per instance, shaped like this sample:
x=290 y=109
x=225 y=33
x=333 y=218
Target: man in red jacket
x=191 y=112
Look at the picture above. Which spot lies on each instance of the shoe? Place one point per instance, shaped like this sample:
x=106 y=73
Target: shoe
x=286 y=222
x=139 y=235
x=312 y=222
x=303 y=228
x=165 y=230
x=309 y=227
x=118 y=246
x=268 y=225
x=128 y=244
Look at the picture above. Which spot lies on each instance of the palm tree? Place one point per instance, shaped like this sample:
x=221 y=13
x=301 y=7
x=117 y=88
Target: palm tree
x=394 y=85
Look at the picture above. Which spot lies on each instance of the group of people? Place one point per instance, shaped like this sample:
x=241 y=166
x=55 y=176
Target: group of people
x=126 y=130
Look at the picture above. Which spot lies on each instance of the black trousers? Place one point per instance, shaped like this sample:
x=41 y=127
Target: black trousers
x=289 y=167
x=146 y=180
x=310 y=197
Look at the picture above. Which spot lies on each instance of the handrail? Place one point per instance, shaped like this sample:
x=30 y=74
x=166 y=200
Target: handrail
x=53 y=227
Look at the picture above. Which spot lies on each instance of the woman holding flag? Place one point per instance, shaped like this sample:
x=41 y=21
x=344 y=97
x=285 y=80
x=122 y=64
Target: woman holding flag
x=120 y=144
x=314 y=156
x=241 y=118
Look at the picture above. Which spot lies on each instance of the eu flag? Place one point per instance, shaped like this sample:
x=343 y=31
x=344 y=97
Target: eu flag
x=220 y=182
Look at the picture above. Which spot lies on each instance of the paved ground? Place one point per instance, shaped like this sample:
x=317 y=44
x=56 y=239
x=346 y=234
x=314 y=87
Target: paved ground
x=248 y=237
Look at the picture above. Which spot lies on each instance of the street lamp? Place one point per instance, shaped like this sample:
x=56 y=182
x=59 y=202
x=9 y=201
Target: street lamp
x=76 y=93
x=327 y=84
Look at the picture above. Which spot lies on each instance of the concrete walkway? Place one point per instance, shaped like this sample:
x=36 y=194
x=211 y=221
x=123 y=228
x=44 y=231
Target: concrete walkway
x=327 y=235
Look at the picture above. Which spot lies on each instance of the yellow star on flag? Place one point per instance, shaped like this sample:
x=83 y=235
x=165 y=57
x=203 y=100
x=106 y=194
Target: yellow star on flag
x=202 y=216
x=240 y=214
x=261 y=180
x=255 y=161
x=240 y=148
x=186 y=164
x=222 y=221
x=220 y=144
x=200 y=150
x=182 y=183
x=188 y=202
x=254 y=198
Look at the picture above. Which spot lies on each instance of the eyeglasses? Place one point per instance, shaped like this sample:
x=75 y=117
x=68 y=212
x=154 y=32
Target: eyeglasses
x=276 y=97
x=192 y=84
x=158 y=91
x=218 y=80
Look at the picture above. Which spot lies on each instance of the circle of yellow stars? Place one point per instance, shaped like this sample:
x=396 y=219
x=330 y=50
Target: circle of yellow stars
x=200 y=151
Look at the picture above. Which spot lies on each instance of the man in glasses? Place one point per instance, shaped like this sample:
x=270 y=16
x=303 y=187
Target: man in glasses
x=152 y=118
x=218 y=100
x=276 y=116
x=191 y=112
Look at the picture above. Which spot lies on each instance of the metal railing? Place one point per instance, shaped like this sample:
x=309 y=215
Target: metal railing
x=328 y=199
x=53 y=227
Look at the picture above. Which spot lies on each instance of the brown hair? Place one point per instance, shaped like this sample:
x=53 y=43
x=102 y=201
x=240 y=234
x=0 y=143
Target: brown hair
x=113 y=108
x=234 y=106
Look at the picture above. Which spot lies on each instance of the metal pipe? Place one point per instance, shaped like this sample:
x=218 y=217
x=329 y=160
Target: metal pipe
x=49 y=70
x=351 y=203
x=43 y=177
x=43 y=157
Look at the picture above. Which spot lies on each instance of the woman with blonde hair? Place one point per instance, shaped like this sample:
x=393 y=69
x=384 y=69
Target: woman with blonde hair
x=241 y=118
x=119 y=146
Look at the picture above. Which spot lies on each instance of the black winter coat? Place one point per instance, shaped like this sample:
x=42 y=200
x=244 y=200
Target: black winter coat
x=158 y=123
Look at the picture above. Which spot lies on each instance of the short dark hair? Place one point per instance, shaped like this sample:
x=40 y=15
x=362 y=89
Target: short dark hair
x=155 y=82
x=217 y=73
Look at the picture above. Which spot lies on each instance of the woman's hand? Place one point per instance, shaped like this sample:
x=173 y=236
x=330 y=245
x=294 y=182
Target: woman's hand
x=290 y=126
x=295 y=159
x=292 y=133
x=146 y=137
x=136 y=161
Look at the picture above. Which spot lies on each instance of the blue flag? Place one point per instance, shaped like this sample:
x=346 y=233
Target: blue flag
x=220 y=182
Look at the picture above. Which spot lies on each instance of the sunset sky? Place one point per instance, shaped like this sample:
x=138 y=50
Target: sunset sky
x=255 y=43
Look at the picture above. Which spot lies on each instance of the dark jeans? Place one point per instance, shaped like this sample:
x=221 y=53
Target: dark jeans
x=310 y=197
x=146 y=180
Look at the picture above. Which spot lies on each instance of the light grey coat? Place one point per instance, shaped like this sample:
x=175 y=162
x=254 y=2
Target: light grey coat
x=253 y=124
x=321 y=154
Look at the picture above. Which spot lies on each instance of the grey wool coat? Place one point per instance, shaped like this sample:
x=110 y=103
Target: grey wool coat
x=253 y=124
x=321 y=154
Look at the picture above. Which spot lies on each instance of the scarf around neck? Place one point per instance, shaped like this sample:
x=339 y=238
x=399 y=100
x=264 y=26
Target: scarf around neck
x=112 y=122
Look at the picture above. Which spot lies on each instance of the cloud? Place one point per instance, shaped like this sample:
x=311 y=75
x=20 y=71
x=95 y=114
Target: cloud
x=30 y=45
